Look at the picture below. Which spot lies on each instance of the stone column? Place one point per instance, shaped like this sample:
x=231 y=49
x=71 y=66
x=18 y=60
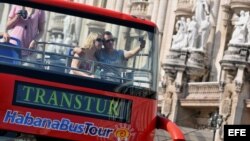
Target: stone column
x=220 y=38
x=126 y=7
x=124 y=30
x=168 y=31
x=150 y=7
x=211 y=48
x=110 y=5
x=155 y=10
x=161 y=17
x=118 y=7
x=4 y=17
x=162 y=14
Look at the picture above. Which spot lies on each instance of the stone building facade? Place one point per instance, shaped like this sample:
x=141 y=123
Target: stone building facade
x=207 y=74
x=207 y=81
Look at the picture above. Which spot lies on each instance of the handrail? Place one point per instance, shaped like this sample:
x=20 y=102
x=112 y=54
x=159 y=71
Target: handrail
x=66 y=68
x=174 y=131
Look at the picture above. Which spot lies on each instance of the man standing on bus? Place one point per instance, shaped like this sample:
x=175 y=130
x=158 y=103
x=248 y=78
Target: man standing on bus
x=111 y=58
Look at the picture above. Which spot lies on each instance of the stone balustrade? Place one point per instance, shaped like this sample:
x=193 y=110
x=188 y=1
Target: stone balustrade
x=58 y=21
x=202 y=94
x=184 y=8
x=238 y=5
x=139 y=8
x=203 y=90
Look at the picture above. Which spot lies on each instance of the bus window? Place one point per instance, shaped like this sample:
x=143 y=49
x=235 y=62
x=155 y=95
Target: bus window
x=55 y=50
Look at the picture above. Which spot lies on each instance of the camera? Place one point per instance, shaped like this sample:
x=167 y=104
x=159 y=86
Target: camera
x=141 y=39
x=23 y=13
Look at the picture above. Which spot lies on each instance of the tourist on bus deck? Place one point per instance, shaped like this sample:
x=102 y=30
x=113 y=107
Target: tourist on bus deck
x=86 y=55
x=110 y=57
x=27 y=25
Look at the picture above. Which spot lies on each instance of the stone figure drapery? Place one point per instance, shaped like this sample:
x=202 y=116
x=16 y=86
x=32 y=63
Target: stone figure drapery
x=201 y=10
x=180 y=38
x=192 y=33
x=240 y=28
x=204 y=32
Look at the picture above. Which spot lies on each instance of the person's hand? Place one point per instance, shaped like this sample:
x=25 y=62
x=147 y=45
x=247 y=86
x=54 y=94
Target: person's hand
x=32 y=44
x=6 y=37
x=91 y=76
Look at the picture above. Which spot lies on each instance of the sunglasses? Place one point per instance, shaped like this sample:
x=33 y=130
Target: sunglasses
x=109 y=40
x=99 y=40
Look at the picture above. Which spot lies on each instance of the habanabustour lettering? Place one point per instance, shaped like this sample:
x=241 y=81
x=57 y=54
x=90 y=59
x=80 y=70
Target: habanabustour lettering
x=82 y=103
x=63 y=125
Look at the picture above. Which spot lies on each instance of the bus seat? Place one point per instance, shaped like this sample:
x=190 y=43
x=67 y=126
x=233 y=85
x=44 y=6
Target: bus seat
x=12 y=54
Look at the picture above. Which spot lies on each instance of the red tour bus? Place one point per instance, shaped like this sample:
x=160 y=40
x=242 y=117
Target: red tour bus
x=40 y=97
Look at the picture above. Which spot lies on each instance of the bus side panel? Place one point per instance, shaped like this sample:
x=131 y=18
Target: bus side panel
x=36 y=107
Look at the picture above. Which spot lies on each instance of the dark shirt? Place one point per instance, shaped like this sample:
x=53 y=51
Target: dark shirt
x=116 y=58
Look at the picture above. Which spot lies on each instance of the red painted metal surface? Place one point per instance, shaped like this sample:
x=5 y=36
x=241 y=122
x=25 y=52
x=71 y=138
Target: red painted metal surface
x=174 y=131
x=142 y=117
x=94 y=10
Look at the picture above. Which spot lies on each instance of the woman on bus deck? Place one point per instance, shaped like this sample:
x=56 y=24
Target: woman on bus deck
x=86 y=55
x=27 y=25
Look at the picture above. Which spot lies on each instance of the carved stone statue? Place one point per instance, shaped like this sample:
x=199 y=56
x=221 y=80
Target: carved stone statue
x=204 y=32
x=248 y=30
x=180 y=39
x=168 y=104
x=192 y=33
x=201 y=10
x=239 y=33
x=226 y=105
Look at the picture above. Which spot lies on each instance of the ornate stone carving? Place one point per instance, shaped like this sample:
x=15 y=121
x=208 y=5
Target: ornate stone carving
x=168 y=104
x=240 y=31
x=180 y=38
x=184 y=8
x=195 y=65
x=192 y=33
x=201 y=10
x=139 y=8
x=204 y=31
x=226 y=107
x=221 y=85
x=202 y=94
x=236 y=5
x=238 y=86
x=226 y=103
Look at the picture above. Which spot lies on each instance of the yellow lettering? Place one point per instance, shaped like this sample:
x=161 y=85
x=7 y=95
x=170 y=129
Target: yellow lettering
x=40 y=93
x=78 y=104
x=66 y=99
x=98 y=105
x=53 y=98
x=113 y=108
x=88 y=102
x=27 y=88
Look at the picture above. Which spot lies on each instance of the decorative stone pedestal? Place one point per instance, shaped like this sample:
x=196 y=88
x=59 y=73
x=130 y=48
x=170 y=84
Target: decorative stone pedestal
x=196 y=65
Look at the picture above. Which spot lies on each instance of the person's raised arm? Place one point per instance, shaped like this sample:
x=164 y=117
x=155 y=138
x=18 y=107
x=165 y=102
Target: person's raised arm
x=131 y=53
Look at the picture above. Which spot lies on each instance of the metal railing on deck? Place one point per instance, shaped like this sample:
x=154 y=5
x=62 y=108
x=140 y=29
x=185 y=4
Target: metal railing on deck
x=61 y=63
